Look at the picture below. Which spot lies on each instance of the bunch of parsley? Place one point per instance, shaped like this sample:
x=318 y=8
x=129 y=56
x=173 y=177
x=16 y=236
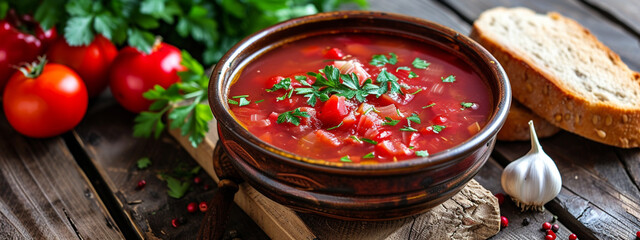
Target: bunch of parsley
x=208 y=28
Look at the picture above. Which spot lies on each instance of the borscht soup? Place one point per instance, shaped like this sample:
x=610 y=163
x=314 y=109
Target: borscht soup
x=360 y=98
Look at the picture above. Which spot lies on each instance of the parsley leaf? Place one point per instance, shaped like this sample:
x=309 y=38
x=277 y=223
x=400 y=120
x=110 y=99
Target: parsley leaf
x=292 y=117
x=417 y=91
x=390 y=122
x=385 y=77
x=231 y=101
x=448 y=79
x=466 y=105
x=408 y=129
x=177 y=189
x=337 y=126
x=422 y=153
x=369 y=141
x=243 y=102
x=369 y=155
x=345 y=159
x=403 y=68
x=381 y=59
x=143 y=163
x=414 y=118
x=259 y=101
x=420 y=64
x=283 y=84
x=412 y=75
x=438 y=128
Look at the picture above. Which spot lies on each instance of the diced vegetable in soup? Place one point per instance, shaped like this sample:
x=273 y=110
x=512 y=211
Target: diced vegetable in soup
x=361 y=98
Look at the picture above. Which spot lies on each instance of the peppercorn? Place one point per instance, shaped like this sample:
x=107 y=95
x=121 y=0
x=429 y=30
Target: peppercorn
x=192 y=207
x=525 y=222
x=206 y=187
x=555 y=228
x=500 y=197
x=175 y=223
x=203 y=206
x=546 y=226
x=573 y=236
x=197 y=180
x=550 y=237
x=141 y=184
x=549 y=232
x=638 y=234
x=504 y=222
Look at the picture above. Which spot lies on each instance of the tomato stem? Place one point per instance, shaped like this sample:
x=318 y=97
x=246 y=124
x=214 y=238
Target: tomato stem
x=156 y=44
x=34 y=69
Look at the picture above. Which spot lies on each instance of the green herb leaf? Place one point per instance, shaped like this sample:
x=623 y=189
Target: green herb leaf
x=241 y=96
x=422 y=153
x=345 y=159
x=390 y=122
x=414 y=118
x=231 y=101
x=466 y=105
x=448 y=79
x=355 y=138
x=140 y=39
x=143 y=163
x=420 y=64
x=283 y=84
x=408 y=129
x=428 y=106
x=403 y=68
x=438 y=128
x=78 y=31
x=243 y=102
x=177 y=189
x=259 y=101
x=369 y=155
x=369 y=141
x=385 y=77
x=292 y=117
x=412 y=75
x=417 y=91
x=381 y=59
x=337 y=126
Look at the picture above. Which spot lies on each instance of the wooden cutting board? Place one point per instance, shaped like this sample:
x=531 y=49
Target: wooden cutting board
x=473 y=213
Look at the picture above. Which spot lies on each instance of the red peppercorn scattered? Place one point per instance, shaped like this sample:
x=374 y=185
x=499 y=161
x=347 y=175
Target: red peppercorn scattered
x=546 y=226
x=638 y=234
x=555 y=228
x=203 y=206
x=141 y=184
x=573 y=236
x=197 y=180
x=175 y=223
x=500 y=197
x=504 y=222
x=549 y=232
x=192 y=207
x=206 y=187
x=550 y=237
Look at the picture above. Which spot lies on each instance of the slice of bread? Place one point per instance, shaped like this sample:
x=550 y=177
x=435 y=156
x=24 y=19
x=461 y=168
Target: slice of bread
x=560 y=71
x=516 y=127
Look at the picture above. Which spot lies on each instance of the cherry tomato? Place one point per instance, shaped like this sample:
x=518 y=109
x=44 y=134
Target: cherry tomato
x=45 y=104
x=91 y=62
x=17 y=46
x=134 y=72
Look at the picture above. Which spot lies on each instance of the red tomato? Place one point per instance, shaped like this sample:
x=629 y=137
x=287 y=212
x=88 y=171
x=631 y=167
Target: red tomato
x=91 y=62
x=45 y=105
x=134 y=72
x=333 y=110
x=334 y=53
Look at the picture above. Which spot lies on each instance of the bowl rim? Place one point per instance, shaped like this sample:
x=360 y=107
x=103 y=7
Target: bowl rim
x=219 y=105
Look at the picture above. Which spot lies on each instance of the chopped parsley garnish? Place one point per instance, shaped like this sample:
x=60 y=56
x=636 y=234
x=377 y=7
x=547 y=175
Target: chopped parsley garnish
x=286 y=95
x=369 y=155
x=259 y=101
x=243 y=102
x=412 y=75
x=414 y=118
x=345 y=159
x=356 y=138
x=381 y=59
x=329 y=83
x=420 y=64
x=417 y=91
x=438 y=128
x=422 y=153
x=283 y=84
x=231 y=101
x=408 y=129
x=336 y=126
x=466 y=105
x=372 y=108
x=390 y=122
x=241 y=96
x=403 y=68
x=450 y=79
x=385 y=77
x=354 y=89
x=399 y=113
x=428 y=106
x=292 y=117
x=411 y=147
x=301 y=78
x=143 y=163
x=369 y=141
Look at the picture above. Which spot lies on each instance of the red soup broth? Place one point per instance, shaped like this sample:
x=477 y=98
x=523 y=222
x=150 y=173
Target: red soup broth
x=426 y=101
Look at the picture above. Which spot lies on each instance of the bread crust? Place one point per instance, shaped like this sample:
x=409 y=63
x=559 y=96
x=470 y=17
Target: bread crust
x=548 y=97
x=516 y=127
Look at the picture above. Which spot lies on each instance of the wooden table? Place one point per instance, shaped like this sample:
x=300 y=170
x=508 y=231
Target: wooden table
x=83 y=184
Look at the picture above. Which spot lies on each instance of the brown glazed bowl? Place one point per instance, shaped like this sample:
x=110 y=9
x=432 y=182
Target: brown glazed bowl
x=346 y=190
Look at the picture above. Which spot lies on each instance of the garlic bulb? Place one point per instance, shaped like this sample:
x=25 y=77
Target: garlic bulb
x=533 y=179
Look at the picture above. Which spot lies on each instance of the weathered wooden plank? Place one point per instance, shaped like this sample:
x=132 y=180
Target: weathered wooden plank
x=44 y=194
x=623 y=11
x=429 y=10
x=106 y=135
x=612 y=35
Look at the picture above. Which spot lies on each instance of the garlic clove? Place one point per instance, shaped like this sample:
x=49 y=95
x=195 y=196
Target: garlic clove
x=533 y=179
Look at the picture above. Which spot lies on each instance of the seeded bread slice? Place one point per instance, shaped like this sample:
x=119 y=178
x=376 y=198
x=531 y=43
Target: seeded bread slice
x=516 y=127
x=560 y=71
